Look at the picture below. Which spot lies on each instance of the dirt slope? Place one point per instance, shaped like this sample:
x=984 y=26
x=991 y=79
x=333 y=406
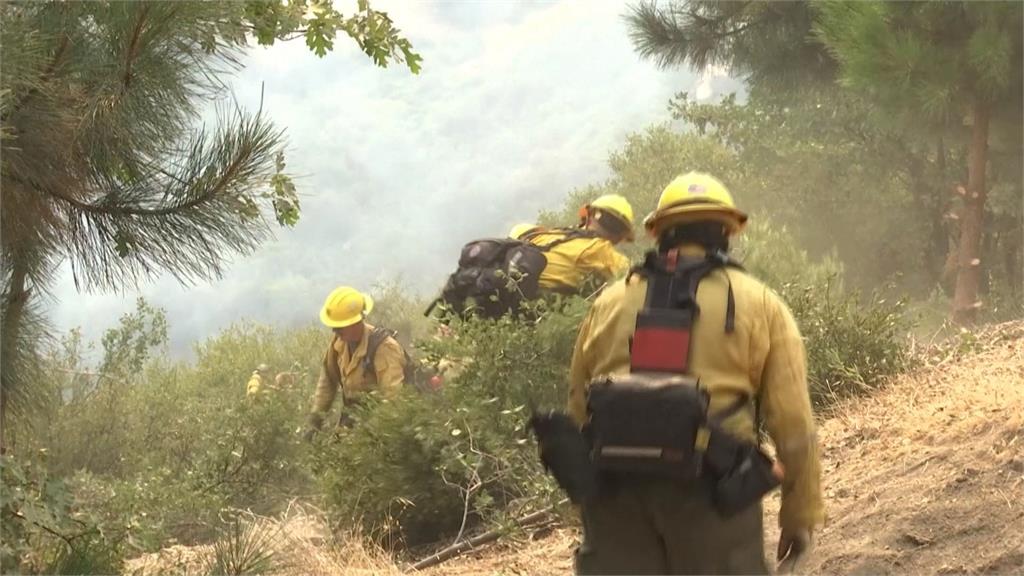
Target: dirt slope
x=928 y=476
x=924 y=477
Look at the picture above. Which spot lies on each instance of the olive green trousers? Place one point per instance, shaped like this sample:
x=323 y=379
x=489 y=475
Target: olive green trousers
x=662 y=526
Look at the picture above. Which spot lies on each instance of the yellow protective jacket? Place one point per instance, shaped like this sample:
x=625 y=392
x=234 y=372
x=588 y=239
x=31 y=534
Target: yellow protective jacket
x=348 y=372
x=254 y=386
x=570 y=263
x=763 y=358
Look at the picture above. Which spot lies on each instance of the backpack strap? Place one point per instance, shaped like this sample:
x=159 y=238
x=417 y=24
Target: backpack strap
x=568 y=234
x=679 y=281
x=377 y=337
x=731 y=410
x=661 y=339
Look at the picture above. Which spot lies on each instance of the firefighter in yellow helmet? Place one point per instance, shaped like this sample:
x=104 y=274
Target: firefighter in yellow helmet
x=359 y=359
x=255 y=387
x=746 y=351
x=577 y=254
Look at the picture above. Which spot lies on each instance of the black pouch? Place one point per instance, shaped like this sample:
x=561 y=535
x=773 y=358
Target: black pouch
x=565 y=453
x=748 y=480
x=646 y=424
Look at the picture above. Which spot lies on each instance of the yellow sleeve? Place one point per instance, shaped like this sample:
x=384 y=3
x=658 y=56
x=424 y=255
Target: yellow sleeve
x=329 y=382
x=786 y=407
x=389 y=364
x=580 y=372
x=619 y=263
x=603 y=260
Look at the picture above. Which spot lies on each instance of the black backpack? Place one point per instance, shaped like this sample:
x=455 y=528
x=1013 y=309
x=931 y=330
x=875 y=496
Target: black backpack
x=415 y=374
x=496 y=275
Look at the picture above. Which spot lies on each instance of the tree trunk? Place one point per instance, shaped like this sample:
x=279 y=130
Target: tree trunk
x=10 y=324
x=965 y=298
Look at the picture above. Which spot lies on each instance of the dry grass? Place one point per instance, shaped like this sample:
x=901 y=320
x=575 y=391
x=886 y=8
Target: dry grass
x=926 y=475
x=302 y=546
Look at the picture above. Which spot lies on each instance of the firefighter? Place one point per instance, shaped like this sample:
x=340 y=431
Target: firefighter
x=255 y=388
x=743 y=344
x=577 y=254
x=357 y=361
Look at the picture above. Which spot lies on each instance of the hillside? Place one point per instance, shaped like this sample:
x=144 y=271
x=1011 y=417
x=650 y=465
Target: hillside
x=925 y=476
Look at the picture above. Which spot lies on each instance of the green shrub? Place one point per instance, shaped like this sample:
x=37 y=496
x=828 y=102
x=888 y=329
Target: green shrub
x=156 y=450
x=853 y=340
x=423 y=466
x=159 y=448
x=44 y=530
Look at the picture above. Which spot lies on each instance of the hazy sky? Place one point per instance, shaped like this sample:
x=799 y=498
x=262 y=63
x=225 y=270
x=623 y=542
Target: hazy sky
x=516 y=105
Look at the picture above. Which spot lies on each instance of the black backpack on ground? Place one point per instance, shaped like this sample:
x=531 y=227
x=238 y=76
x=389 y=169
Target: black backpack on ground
x=496 y=275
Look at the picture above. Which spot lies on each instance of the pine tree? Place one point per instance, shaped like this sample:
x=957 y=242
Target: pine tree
x=102 y=164
x=930 y=65
x=941 y=61
x=769 y=44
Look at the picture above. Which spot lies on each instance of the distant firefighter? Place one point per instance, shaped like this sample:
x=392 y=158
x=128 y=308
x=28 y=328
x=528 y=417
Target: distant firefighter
x=256 y=386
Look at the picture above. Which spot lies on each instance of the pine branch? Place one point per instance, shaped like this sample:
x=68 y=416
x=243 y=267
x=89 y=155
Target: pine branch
x=213 y=211
x=133 y=46
x=701 y=40
x=657 y=35
x=47 y=74
x=23 y=332
x=133 y=210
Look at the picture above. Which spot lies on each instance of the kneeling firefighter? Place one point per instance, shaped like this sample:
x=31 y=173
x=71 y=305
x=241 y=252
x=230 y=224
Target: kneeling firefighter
x=360 y=358
x=673 y=367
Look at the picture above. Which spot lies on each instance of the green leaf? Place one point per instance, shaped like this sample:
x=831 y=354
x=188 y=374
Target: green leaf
x=317 y=39
x=285 y=199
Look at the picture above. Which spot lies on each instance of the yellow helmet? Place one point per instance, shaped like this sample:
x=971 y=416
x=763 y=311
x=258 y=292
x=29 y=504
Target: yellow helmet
x=520 y=230
x=695 y=196
x=617 y=206
x=345 y=306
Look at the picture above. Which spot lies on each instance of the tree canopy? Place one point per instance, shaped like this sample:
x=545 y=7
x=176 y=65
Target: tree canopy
x=903 y=91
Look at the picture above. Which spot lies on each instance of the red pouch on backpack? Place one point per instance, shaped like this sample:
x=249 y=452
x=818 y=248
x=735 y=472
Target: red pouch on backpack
x=661 y=341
